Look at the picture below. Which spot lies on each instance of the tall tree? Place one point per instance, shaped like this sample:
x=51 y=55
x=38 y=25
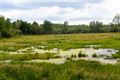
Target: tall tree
x=116 y=22
x=95 y=26
x=116 y=19
x=2 y=22
x=25 y=27
x=35 y=28
x=6 y=29
x=65 y=28
x=47 y=27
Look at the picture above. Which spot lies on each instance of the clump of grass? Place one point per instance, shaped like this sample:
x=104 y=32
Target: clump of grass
x=94 y=55
x=73 y=56
x=69 y=58
x=117 y=55
x=80 y=54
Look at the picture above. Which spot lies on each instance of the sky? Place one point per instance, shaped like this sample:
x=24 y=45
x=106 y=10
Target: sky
x=58 y=11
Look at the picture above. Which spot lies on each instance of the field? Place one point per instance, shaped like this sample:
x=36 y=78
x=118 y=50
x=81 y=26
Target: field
x=107 y=40
x=19 y=69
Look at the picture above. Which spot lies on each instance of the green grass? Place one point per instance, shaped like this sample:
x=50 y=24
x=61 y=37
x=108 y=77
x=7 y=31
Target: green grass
x=27 y=56
x=117 y=55
x=80 y=70
x=107 y=40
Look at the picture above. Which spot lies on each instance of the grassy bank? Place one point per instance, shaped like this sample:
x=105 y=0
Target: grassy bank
x=80 y=70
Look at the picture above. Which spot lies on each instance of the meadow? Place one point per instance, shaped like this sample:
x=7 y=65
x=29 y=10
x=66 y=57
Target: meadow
x=70 y=70
x=68 y=41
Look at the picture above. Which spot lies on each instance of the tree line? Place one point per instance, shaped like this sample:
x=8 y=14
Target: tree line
x=10 y=29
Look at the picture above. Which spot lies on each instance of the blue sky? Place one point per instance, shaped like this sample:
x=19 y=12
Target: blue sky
x=74 y=11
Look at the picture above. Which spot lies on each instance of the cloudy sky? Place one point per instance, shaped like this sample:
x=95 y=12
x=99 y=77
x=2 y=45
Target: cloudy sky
x=74 y=11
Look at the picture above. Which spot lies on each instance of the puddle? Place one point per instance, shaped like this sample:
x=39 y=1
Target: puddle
x=92 y=46
x=101 y=60
x=55 y=61
x=89 y=52
x=101 y=54
x=6 y=61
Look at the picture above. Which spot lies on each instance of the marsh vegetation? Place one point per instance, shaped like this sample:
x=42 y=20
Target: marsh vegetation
x=56 y=57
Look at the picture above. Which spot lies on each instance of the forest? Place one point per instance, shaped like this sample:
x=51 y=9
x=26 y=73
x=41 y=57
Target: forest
x=10 y=28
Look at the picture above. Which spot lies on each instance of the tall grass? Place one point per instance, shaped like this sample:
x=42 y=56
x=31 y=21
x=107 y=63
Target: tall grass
x=80 y=70
x=27 y=56
x=107 y=40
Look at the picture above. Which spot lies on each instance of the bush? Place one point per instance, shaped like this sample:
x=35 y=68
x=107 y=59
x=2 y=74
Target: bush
x=6 y=34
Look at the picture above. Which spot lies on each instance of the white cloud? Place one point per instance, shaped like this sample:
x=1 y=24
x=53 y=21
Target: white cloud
x=103 y=11
x=24 y=1
x=41 y=12
x=14 y=1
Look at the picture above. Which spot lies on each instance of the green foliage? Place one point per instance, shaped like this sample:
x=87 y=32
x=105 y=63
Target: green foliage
x=7 y=34
x=6 y=29
x=23 y=27
x=65 y=28
x=95 y=26
x=116 y=19
x=35 y=29
x=47 y=27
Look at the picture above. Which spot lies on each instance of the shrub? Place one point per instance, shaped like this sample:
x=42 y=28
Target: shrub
x=7 y=34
